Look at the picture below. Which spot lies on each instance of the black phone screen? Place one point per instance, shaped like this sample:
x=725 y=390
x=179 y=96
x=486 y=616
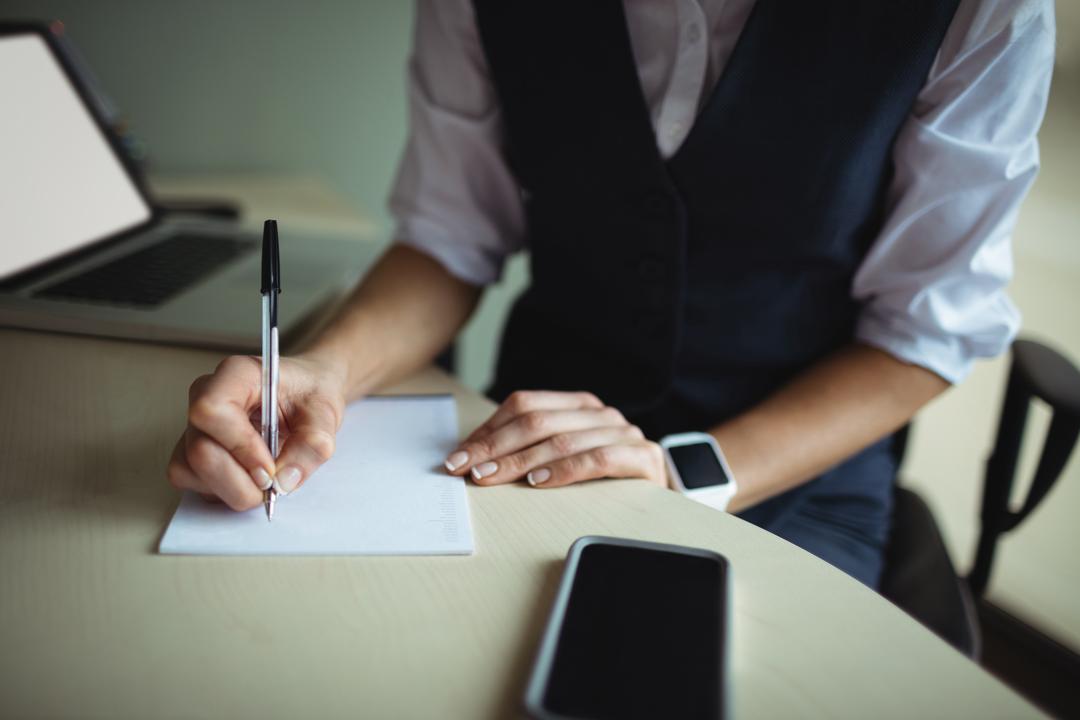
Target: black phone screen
x=643 y=636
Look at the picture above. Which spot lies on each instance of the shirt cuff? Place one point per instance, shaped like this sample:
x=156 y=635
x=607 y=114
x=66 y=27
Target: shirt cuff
x=950 y=355
x=464 y=261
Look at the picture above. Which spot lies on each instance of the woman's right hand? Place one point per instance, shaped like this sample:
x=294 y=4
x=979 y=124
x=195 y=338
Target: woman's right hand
x=221 y=453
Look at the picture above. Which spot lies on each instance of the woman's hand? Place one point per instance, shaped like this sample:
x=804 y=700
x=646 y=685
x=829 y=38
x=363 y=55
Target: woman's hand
x=222 y=454
x=553 y=439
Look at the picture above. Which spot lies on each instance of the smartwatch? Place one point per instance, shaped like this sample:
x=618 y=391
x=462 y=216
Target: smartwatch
x=698 y=468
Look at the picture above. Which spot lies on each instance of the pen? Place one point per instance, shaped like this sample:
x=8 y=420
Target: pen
x=271 y=286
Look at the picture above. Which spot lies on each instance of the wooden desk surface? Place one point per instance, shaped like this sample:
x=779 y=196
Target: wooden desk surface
x=94 y=623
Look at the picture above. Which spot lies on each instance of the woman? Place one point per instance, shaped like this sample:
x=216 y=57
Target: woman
x=785 y=224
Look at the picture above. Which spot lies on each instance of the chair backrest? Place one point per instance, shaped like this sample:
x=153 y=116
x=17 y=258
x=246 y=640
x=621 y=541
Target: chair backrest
x=1037 y=371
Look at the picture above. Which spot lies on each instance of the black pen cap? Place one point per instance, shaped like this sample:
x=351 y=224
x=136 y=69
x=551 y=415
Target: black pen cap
x=271 y=262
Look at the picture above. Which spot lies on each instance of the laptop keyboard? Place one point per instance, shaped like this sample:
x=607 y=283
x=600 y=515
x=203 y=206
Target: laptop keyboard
x=152 y=275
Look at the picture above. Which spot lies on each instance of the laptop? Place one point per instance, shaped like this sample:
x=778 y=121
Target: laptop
x=83 y=249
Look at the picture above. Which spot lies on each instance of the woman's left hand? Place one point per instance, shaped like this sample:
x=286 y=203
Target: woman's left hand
x=553 y=439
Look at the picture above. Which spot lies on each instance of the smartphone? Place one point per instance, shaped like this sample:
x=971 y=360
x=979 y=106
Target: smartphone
x=639 y=630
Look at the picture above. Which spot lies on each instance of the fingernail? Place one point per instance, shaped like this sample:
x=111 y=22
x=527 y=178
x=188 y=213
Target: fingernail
x=484 y=469
x=538 y=476
x=262 y=479
x=287 y=480
x=456 y=460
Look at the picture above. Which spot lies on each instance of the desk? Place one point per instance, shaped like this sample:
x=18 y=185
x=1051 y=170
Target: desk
x=94 y=623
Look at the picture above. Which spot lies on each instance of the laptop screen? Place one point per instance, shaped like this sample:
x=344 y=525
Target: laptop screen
x=61 y=185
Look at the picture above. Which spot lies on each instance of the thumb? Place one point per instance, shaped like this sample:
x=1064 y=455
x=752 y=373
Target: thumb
x=310 y=443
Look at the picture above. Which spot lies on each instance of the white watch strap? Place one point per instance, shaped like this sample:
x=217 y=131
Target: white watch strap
x=717 y=498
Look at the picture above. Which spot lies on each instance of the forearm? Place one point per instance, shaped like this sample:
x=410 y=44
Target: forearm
x=398 y=319
x=839 y=406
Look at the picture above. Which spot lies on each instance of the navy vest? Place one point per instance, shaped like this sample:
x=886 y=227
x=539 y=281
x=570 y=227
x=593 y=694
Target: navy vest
x=685 y=291
x=704 y=282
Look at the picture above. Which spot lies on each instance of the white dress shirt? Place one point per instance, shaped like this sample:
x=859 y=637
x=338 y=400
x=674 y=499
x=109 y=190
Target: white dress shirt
x=931 y=288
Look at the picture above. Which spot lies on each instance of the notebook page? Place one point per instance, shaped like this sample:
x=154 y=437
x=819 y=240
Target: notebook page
x=384 y=492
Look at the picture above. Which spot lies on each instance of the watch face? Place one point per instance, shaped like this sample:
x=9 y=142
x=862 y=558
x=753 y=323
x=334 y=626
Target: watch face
x=698 y=466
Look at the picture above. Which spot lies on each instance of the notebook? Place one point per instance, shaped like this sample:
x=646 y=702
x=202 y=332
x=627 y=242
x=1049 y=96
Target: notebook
x=384 y=492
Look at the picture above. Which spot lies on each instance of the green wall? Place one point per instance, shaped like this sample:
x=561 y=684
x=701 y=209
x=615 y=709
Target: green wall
x=252 y=85
x=312 y=86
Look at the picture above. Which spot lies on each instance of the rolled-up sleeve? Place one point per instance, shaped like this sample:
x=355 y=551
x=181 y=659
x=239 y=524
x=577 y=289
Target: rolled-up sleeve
x=932 y=286
x=454 y=197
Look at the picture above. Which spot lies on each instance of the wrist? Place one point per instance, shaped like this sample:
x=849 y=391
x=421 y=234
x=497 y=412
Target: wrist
x=336 y=367
x=744 y=456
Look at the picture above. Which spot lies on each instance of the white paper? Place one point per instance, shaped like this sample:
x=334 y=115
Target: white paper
x=384 y=492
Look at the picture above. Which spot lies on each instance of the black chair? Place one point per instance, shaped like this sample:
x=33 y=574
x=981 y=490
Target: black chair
x=919 y=575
